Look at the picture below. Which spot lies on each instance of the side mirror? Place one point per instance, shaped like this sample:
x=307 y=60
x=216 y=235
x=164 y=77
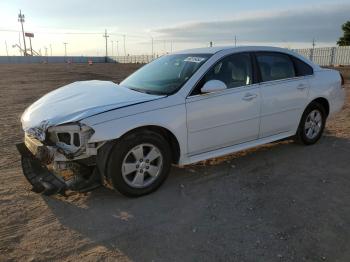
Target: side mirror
x=213 y=86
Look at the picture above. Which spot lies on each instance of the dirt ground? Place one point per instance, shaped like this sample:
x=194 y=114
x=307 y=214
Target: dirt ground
x=279 y=202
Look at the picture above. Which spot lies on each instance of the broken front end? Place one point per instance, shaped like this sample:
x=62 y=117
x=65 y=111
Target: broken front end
x=59 y=158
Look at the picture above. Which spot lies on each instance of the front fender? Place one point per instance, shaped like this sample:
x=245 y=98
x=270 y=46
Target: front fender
x=172 y=118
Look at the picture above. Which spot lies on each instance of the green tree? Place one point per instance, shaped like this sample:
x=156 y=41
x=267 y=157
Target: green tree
x=345 y=39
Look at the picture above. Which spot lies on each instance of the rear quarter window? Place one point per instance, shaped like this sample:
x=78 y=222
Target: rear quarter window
x=302 y=68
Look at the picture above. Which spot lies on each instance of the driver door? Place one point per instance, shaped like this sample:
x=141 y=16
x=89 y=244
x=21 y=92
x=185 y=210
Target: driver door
x=224 y=118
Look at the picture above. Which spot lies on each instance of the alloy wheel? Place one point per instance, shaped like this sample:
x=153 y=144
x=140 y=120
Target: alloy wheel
x=142 y=165
x=313 y=124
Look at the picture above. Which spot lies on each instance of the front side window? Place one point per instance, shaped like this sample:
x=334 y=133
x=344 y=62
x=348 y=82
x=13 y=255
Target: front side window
x=234 y=70
x=275 y=66
x=165 y=75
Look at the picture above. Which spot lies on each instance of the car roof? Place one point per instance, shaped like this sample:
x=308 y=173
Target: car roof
x=216 y=49
x=213 y=50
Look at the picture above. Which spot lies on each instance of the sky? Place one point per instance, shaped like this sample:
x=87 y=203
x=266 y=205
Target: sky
x=173 y=25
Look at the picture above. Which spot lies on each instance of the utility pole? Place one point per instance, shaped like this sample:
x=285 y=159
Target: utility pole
x=46 y=58
x=124 y=47
x=21 y=20
x=312 y=50
x=235 y=41
x=152 y=46
x=31 y=48
x=65 y=51
x=112 y=47
x=50 y=50
x=106 y=36
x=117 y=48
x=171 y=46
x=7 y=51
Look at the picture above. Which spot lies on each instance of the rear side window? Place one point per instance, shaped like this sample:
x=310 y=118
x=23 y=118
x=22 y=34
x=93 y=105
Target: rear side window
x=275 y=66
x=302 y=68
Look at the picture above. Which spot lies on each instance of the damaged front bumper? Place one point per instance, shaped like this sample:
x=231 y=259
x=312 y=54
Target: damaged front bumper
x=38 y=175
x=35 y=159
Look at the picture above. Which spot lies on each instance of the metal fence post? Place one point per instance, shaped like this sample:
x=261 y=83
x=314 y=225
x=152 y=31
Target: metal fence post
x=312 y=54
x=333 y=50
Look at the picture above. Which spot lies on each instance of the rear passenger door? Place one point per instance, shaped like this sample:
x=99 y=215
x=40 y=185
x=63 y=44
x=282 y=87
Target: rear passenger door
x=284 y=92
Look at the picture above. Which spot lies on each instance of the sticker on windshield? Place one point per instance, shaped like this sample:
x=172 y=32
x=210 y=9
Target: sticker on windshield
x=194 y=59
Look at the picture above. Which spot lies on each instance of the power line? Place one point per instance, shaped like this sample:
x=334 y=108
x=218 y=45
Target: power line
x=138 y=36
x=10 y=30
x=77 y=33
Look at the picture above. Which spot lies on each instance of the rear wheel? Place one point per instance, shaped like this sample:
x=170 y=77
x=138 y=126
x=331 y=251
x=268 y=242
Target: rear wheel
x=139 y=163
x=311 y=124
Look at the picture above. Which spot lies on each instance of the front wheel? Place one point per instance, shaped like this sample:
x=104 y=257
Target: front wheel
x=139 y=163
x=311 y=124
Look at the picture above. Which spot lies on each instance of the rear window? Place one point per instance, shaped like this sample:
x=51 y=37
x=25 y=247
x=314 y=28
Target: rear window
x=302 y=68
x=275 y=66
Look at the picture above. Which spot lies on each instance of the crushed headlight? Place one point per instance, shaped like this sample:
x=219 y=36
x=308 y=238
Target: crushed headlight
x=70 y=138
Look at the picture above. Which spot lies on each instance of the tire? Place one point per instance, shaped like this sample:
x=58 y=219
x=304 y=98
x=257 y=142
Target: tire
x=312 y=124
x=135 y=176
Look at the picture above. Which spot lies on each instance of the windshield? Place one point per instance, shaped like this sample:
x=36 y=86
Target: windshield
x=165 y=75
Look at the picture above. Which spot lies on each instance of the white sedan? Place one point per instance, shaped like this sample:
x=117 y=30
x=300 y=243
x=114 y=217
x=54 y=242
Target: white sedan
x=181 y=108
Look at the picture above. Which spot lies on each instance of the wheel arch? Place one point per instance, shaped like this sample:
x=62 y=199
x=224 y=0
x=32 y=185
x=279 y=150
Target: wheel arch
x=322 y=101
x=166 y=133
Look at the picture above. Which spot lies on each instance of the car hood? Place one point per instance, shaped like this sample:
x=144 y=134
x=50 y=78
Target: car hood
x=79 y=100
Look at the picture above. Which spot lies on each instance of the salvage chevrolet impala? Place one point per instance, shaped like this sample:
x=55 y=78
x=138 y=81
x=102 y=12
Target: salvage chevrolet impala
x=179 y=109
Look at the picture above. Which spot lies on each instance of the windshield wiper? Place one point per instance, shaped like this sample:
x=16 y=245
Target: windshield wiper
x=138 y=90
x=150 y=92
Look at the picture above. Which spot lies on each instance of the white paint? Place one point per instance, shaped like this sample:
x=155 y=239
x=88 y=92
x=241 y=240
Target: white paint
x=79 y=100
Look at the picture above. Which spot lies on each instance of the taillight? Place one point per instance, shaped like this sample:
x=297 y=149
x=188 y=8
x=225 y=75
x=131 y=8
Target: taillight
x=342 y=80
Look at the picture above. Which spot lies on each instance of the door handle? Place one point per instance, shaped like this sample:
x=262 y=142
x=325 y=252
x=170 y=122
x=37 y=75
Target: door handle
x=301 y=86
x=249 y=96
